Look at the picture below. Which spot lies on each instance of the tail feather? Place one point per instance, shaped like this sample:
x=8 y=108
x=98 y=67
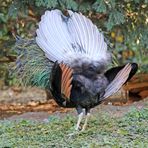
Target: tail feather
x=76 y=35
x=32 y=67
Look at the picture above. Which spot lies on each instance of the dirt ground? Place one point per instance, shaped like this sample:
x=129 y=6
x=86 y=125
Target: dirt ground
x=16 y=101
x=32 y=104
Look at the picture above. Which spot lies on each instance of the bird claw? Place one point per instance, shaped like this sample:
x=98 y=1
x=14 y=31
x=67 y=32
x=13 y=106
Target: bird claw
x=78 y=128
x=83 y=129
x=74 y=132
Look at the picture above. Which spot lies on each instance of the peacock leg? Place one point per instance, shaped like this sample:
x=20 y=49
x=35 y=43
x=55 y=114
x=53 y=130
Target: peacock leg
x=86 y=121
x=80 y=116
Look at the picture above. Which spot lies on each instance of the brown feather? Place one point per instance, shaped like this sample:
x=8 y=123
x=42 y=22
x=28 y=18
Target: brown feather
x=66 y=81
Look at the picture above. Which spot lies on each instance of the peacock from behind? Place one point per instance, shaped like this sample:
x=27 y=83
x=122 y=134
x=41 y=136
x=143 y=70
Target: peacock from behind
x=69 y=57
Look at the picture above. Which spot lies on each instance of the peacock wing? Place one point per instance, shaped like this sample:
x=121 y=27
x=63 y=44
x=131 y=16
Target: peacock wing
x=118 y=81
x=61 y=82
x=66 y=81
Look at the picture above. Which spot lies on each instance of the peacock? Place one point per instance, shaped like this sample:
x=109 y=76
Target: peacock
x=69 y=57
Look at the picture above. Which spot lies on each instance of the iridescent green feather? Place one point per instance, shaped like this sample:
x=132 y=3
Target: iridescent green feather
x=32 y=67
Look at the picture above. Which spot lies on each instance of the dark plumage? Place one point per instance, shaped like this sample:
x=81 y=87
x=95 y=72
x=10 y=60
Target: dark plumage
x=75 y=56
x=87 y=90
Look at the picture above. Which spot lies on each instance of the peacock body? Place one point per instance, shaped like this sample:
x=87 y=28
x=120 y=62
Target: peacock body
x=69 y=57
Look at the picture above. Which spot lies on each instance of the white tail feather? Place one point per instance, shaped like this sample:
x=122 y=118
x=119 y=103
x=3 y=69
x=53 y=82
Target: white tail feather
x=63 y=38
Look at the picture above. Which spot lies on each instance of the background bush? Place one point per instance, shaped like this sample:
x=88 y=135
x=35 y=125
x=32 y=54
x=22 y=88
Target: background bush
x=124 y=24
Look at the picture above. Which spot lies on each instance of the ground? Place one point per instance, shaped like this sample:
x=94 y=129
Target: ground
x=109 y=126
x=27 y=119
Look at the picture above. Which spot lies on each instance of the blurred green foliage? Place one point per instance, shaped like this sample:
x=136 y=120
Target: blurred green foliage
x=124 y=24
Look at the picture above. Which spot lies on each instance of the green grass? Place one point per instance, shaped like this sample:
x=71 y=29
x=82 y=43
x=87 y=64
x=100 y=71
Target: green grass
x=130 y=131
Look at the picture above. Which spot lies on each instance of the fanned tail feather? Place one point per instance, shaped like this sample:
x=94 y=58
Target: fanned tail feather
x=66 y=38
